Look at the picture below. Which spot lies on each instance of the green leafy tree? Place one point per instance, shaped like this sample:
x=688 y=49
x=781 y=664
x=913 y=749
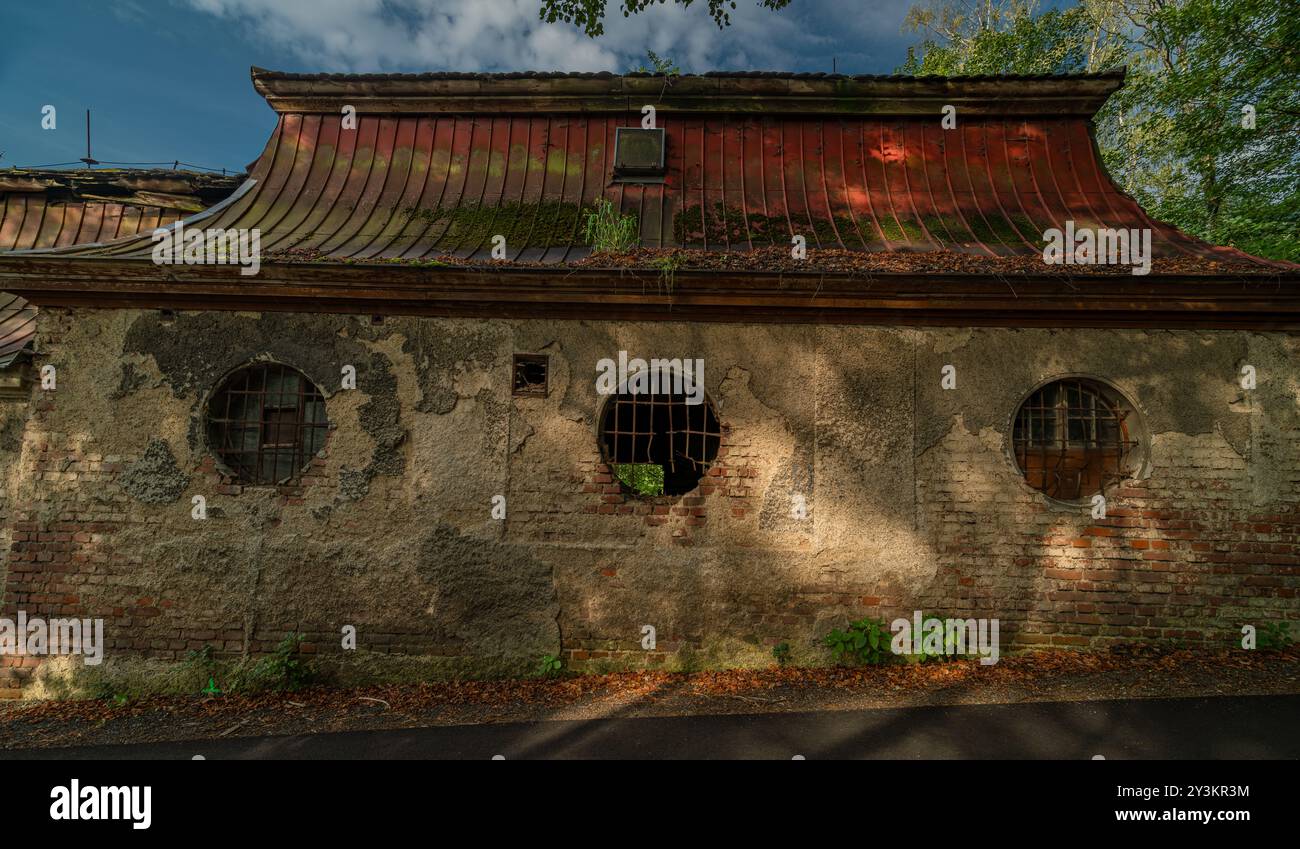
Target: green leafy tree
x=1000 y=37
x=1179 y=135
x=1176 y=133
x=590 y=14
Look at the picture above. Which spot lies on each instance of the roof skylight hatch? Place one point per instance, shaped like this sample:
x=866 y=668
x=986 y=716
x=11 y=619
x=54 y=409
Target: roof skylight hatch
x=638 y=155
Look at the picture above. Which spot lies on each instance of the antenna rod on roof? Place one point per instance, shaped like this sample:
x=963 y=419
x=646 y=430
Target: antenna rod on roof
x=833 y=68
x=87 y=159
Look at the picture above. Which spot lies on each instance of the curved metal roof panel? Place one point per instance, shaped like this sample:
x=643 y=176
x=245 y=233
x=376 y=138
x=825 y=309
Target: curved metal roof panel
x=430 y=170
x=33 y=221
x=50 y=208
x=17 y=326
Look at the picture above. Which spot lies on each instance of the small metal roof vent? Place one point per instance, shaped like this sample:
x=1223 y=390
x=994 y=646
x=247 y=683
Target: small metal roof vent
x=638 y=155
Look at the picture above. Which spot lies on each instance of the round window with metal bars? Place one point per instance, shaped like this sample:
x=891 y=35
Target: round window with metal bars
x=1073 y=438
x=265 y=422
x=657 y=443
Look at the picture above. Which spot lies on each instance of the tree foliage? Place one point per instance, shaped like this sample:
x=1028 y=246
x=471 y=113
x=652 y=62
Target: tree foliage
x=1177 y=135
x=590 y=14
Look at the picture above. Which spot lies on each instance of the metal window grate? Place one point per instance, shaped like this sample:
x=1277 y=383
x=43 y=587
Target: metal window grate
x=266 y=422
x=662 y=430
x=530 y=374
x=1071 y=439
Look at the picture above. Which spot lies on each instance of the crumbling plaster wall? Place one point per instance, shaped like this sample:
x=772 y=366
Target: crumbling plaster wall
x=912 y=498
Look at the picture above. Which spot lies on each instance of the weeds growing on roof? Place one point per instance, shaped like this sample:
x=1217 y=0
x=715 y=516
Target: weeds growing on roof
x=609 y=232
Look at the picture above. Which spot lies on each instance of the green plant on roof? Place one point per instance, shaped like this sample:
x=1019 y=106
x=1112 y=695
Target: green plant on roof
x=667 y=266
x=658 y=65
x=607 y=231
x=471 y=226
x=641 y=478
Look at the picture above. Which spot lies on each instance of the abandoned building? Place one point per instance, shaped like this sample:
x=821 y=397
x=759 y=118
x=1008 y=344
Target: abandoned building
x=396 y=424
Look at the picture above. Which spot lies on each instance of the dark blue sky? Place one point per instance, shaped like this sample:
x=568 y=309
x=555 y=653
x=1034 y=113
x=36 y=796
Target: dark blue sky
x=168 y=79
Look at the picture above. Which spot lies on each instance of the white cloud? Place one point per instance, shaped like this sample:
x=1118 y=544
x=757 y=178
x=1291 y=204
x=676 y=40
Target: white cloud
x=473 y=35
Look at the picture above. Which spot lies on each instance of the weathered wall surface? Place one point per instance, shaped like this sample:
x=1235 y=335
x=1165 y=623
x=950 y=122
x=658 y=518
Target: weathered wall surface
x=13 y=421
x=913 y=499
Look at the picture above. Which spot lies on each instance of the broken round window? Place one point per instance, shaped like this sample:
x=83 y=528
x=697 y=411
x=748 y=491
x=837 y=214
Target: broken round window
x=1073 y=438
x=657 y=443
x=265 y=422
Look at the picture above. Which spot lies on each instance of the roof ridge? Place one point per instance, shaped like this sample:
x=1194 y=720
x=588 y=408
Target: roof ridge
x=267 y=74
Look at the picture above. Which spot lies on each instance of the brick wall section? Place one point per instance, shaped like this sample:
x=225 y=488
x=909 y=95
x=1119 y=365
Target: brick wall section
x=726 y=491
x=62 y=558
x=58 y=562
x=1202 y=542
x=1178 y=556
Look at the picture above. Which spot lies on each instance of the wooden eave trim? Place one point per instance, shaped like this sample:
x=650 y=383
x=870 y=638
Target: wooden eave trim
x=913 y=96
x=1080 y=107
x=1259 y=303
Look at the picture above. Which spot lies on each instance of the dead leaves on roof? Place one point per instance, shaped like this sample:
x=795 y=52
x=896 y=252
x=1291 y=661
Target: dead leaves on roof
x=826 y=261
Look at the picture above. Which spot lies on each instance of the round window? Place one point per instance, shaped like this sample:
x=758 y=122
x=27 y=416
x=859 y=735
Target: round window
x=1073 y=438
x=658 y=443
x=265 y=422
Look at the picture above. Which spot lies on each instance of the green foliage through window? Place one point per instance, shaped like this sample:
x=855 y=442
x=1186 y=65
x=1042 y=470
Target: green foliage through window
x=641 y=478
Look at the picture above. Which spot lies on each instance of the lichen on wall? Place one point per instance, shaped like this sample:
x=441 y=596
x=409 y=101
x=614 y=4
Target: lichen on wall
x=193 y=351
x=155 y=478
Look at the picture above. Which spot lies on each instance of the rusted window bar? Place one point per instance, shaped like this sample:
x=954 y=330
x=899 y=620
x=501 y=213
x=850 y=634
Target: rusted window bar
x=1069 y=435
x=632 y=436
x=271 y=423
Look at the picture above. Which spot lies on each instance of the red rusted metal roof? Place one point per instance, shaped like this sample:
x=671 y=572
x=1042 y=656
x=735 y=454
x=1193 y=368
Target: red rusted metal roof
x=438 y=164
x=17 y=326
x=32 y=221
x=54 y=209
x=47 y=208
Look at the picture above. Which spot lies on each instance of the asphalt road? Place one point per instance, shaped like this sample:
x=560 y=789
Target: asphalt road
x=1210 y=728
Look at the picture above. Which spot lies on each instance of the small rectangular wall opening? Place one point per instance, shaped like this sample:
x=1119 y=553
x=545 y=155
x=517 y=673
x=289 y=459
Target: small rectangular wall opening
x=530 y=374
